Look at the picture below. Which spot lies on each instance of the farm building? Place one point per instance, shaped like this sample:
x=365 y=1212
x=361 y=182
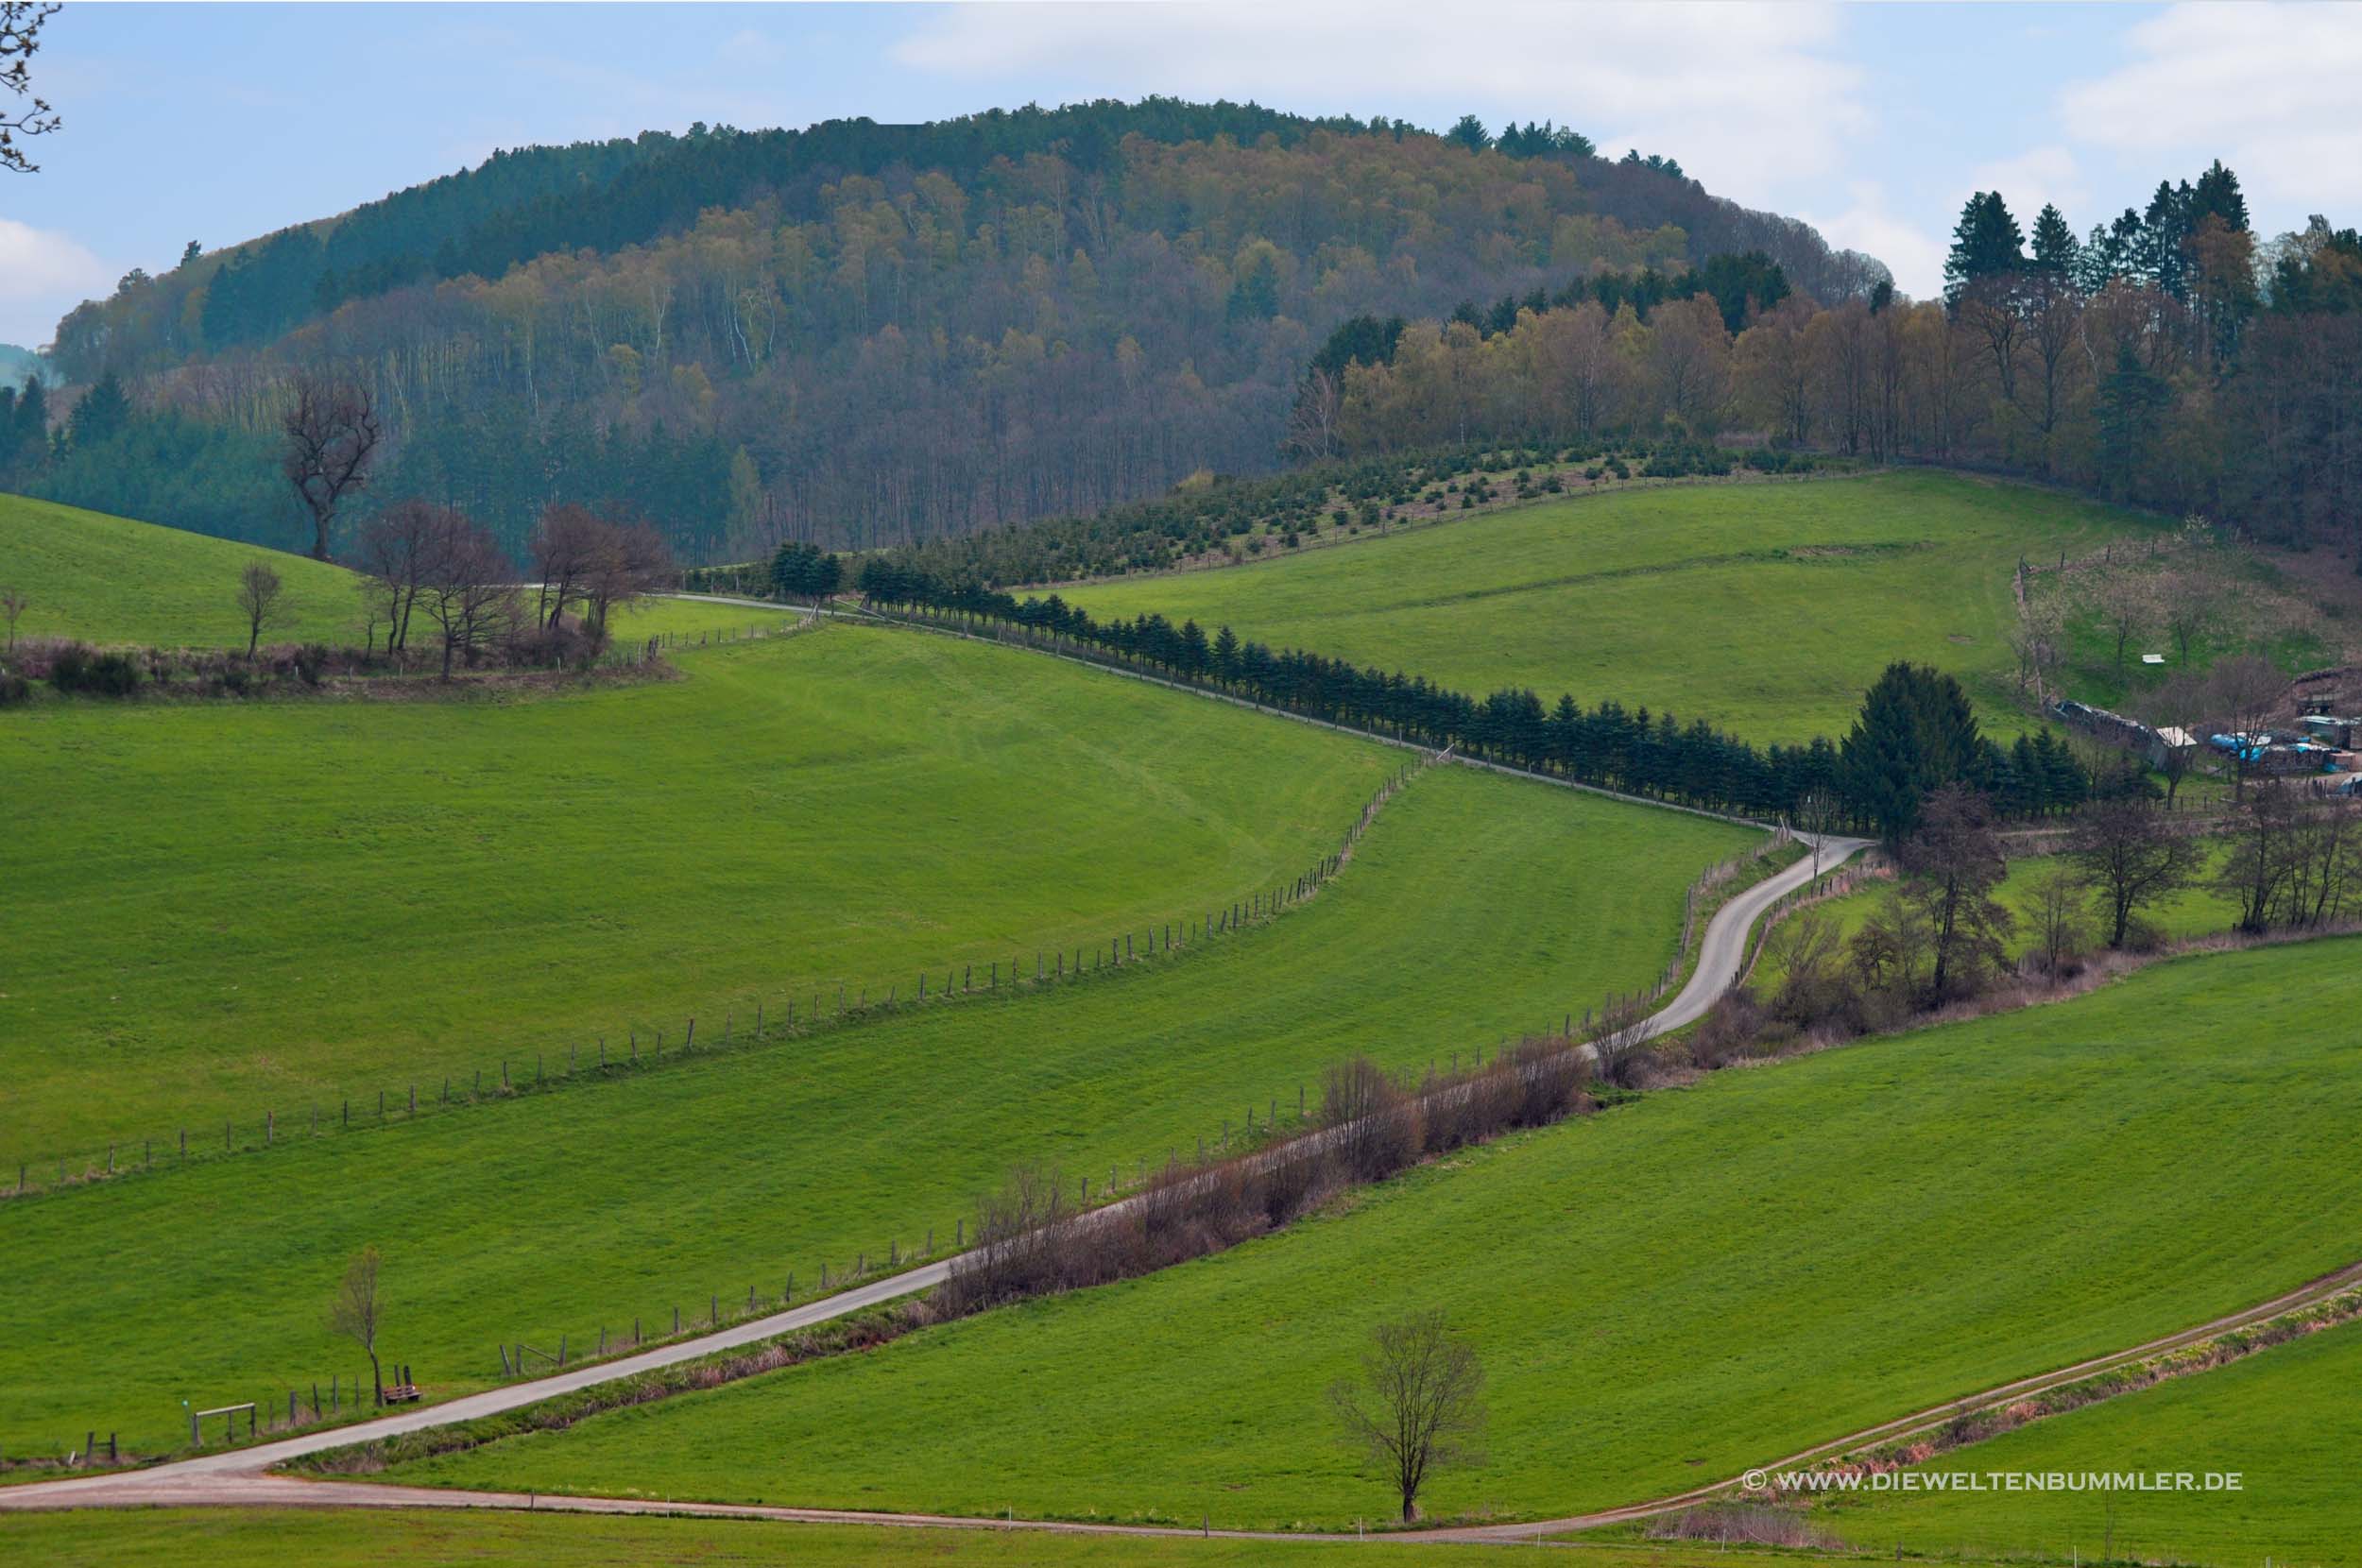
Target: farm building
x=2157 y=745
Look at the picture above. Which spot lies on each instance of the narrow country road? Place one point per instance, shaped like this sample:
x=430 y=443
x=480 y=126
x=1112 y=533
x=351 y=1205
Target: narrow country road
x=236 y=1475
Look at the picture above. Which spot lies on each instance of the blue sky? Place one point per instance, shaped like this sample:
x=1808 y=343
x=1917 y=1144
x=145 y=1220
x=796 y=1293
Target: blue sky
x=217 y=123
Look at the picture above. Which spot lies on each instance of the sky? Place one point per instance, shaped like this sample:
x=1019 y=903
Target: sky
x=217 y=123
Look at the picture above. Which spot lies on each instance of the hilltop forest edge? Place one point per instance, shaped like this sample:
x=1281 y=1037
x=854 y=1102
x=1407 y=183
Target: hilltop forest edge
x=860 y=335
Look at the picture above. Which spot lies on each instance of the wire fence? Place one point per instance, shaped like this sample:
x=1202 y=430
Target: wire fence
x=788 y=1013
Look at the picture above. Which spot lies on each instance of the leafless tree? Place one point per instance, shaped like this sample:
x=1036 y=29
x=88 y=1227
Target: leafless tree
x=468 y=589
x=2175 y=705
x=13 y=607
x=1419 y=1404
x=2244 y=694
x=2190 y=604
x=1312 y=422
x=353 y=1311
x=260 y=593
x=2058 y=913
x=332 y=433
x=1374 y=1127
x=20 y=21
x=2265 y=852
x=568 y=543
x=632 y=562
x=2132 y=856
x=2125 y=601
x=396 y=557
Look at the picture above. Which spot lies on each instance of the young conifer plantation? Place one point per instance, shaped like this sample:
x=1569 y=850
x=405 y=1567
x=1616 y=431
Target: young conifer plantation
x=1008 y=783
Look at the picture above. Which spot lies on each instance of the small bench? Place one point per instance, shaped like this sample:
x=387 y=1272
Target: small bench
x=403 y=1394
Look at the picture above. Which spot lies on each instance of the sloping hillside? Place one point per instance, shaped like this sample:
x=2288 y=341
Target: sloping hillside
x=105 y=579
x=867 y=333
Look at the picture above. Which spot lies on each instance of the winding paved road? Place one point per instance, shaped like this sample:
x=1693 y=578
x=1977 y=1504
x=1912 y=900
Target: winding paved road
x=236 y=1475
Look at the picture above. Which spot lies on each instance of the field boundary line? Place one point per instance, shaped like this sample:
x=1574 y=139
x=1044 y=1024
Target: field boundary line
x=917 y=623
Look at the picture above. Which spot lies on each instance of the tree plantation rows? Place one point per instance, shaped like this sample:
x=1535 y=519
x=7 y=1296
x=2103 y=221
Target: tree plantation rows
x=1916 y=734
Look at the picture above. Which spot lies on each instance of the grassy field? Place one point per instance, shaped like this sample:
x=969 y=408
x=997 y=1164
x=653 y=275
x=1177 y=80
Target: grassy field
x=1767 y=609
x=324 y=1538
x=2195 y=911
x=1701 y=1281
x=109 y=579
x=2288 y=1420
x=1477 y=907
x=213 y=910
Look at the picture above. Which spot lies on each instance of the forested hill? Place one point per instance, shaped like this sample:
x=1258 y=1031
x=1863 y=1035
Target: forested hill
x=855 y=334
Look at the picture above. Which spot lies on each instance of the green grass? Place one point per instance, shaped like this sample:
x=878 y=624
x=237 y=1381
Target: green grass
x=1765 y=608
x=109 y=579
x=2288 y=1420
x=215 y=909
x=2201 y=909
x=1681 y=1287
x=1477 y=907
x=172 y=1538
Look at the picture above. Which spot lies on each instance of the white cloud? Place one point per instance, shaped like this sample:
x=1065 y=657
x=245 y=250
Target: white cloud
x=2268 y=89
x=39 y=262
x=2029 y=180
x=1747 y=97
x=1911 y=252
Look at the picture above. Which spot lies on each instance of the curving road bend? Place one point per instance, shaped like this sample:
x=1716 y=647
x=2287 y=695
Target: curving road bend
x=236 y=1477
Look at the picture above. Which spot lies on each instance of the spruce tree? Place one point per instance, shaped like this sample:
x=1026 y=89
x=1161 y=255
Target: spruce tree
x=1986 y=243
x=2055 y=249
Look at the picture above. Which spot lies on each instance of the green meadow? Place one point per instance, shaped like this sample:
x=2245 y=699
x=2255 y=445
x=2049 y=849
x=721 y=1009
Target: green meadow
x=107 y=579
x=167 y=1537
x=1477 y=908
x=2287 y=1420
x=215 y=909
x=2199 y=910
x=1669 y=1292
x=1764 y=608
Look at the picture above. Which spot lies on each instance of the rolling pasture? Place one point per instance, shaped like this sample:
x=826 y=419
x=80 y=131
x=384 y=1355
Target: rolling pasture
x=219 y=909
x=2288 y=1420
x=1680 y=1288
x=1766 y=609
x=107 y=579
x=1478 y=907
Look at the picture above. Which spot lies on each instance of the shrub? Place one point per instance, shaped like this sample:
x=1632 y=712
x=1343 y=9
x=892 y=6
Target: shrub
x=14 y=690
x=78 y=667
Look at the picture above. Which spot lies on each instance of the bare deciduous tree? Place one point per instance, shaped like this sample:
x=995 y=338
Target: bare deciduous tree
x=353 y=1311
x=567 y=544
x=1817 y=816
x=21 y=22
x=332 y=432
x=2057 y=913
x=13 y=607
x=2244 y=694
x=259 y=600
x=1374 y=1127
x=469 y=589
x=396 y=557
x=2132 y=856
x=633 y=561
x=1419 y=1404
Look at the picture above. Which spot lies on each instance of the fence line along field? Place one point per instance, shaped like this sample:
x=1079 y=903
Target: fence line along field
x=1477 y=908
x=1662 y=1294
x=1765 y=609
x=385 y=894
